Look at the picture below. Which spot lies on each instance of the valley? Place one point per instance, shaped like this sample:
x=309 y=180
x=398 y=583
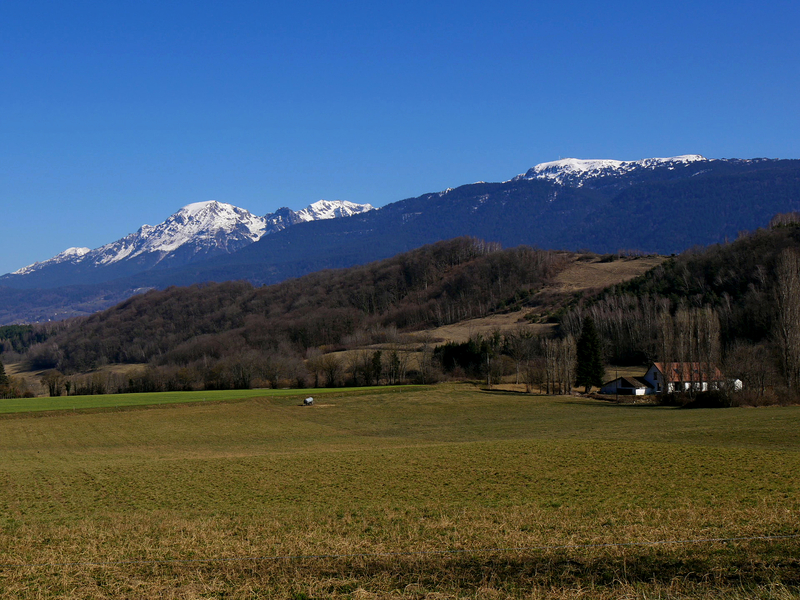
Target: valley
x=399 y=301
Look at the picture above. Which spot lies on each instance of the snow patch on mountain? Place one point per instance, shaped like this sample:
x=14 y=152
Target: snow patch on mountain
x=332 y=209
x=71 y=255
x=576 y=171
x=200 y=228
x=204 y=226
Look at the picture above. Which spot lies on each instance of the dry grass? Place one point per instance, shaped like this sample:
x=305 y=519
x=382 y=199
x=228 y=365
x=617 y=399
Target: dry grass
x=593 y=274
x=32 y=378
x=388 y=477
x=463 y=331
x=580 y=275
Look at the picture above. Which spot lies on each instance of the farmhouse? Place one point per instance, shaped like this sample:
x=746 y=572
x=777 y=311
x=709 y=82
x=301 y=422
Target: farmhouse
x=666 y=378
x=634 y=386
x=686 y=376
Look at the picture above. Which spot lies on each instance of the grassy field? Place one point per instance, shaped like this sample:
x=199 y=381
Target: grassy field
x=443 y=492
x=74 y=403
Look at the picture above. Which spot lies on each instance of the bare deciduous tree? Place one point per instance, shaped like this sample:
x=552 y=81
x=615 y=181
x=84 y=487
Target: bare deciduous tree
x=54 y=381
x=314 y=364
x=518 y=345
x=787 y=293
x=332 y=367
x=753 y=364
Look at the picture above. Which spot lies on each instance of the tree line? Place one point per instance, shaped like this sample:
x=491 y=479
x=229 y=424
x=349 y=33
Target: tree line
x=732 y=306
x=542 y=362
x=236 y=335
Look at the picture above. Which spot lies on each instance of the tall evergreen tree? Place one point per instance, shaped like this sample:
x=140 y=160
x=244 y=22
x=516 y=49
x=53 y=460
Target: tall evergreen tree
x=589 y=368
x=377 y=367
x=3 y=376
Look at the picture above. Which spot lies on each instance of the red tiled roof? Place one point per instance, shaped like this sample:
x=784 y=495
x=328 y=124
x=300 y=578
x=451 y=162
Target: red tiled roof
x=689 y=371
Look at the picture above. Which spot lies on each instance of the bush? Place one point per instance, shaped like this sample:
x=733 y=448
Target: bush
x=467 y=356
x=44 y=356
x=709 y=399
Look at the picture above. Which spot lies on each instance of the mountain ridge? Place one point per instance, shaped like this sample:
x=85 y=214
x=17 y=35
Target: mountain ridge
x=661 y=206
x=196 y=230
x=577 y=171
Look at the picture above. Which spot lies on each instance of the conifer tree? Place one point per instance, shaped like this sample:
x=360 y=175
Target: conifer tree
x=3 y=376
x=377 y=367
x=589 y=368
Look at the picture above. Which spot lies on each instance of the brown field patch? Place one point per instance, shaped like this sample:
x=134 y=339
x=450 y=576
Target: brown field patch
x=461 y=332
x=33 y=378
x=581 y=275
x=585 y=275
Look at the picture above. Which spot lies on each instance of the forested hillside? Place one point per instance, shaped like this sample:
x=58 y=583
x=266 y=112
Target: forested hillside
x=222 y=335
x=735 y=305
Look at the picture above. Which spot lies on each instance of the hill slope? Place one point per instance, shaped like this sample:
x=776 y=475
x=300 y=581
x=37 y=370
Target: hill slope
x=437 y=284
x=733 y=305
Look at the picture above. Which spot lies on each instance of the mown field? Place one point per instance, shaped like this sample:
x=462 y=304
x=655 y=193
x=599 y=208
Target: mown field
x=443 y=492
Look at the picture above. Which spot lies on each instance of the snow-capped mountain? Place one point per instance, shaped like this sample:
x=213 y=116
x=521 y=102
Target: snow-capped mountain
x=326 y=209
x=70 y=255
x=322 y=209
x=199 y=230
x=661 y=205
x=576 y=172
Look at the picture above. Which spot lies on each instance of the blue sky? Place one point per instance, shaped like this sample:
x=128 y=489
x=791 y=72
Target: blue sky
x=115 y=114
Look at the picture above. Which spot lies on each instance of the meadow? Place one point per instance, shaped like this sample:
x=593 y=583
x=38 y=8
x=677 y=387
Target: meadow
x=117 y=401
x=448 y=491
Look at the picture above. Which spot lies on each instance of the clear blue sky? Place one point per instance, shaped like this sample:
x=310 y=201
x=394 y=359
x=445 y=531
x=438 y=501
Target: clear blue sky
x=116 y=114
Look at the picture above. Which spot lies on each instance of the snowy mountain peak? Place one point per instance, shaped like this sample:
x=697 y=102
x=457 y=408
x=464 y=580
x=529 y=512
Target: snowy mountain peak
x=211 y=211
x=68 y=255
x=332 y=209
x=576 y=171
x=198 y=207
x=197 y=230
x=204 y=220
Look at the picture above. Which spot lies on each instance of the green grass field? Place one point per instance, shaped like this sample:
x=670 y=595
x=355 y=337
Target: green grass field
x=43 y=403
x=443 y=492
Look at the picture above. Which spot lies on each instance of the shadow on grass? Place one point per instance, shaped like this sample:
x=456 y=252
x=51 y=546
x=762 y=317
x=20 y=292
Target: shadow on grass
x=612 y=404
x=714 y=567
x=574 y=400
x=517 y=393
